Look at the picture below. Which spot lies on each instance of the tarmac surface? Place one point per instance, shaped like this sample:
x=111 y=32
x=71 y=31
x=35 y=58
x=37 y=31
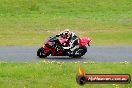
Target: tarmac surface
x=94 y=53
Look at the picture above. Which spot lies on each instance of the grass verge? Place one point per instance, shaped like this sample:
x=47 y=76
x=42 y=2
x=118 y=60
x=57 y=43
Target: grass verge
x=25 y=22
x=37 y=37
x=47 y=74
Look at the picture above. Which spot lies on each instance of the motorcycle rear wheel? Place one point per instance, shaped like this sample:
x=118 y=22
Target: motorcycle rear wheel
x=40 y=53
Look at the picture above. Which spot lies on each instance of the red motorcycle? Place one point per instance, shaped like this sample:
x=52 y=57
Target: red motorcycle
x=60 y=47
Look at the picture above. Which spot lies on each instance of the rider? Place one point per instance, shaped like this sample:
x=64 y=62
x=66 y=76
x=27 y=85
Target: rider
x=71 y=37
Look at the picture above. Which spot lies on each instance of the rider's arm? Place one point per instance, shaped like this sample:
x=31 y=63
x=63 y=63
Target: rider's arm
x=73 y=36
x=58 y=35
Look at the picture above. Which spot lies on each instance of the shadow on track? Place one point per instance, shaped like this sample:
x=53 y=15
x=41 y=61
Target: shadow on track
x=62 y=58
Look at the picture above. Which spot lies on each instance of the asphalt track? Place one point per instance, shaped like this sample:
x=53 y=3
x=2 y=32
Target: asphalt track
x=95 y=53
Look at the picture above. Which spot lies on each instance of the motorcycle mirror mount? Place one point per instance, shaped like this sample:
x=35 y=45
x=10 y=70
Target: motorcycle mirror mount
x=88 y=44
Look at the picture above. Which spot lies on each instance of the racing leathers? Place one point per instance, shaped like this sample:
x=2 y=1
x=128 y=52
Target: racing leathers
x=72 y=39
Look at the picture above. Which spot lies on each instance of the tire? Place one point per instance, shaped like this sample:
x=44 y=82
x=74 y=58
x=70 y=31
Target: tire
x=40 y=53
x=82 y=52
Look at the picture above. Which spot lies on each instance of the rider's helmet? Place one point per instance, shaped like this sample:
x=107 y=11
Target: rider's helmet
x=66 y=34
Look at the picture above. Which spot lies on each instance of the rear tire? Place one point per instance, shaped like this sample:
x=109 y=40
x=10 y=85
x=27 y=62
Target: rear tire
x=40 y=53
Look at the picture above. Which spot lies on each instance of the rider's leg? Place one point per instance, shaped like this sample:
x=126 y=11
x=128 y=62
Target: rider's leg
x=75 y=47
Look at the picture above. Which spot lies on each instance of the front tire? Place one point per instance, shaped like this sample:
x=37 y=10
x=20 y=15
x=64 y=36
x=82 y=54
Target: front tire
x=81 y=51
x=40 y=53
x=84 y=50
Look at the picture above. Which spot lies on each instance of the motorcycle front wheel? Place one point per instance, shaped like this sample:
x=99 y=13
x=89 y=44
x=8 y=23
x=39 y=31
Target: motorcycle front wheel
x=79 y=52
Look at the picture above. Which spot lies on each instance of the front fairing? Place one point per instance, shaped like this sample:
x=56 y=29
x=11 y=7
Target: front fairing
x=84 y=41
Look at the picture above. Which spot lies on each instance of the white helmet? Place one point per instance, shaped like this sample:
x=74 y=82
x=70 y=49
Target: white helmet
x=66 y=33
x=66 y=30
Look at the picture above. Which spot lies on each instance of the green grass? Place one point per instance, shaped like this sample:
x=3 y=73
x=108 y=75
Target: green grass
x=46 y=74
x=29 y=22
x=37 y=37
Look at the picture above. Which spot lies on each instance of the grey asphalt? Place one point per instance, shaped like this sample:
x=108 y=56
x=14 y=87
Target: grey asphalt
x=95 y=53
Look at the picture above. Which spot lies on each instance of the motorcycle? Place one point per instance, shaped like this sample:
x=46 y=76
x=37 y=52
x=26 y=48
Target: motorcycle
x=60 y=47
